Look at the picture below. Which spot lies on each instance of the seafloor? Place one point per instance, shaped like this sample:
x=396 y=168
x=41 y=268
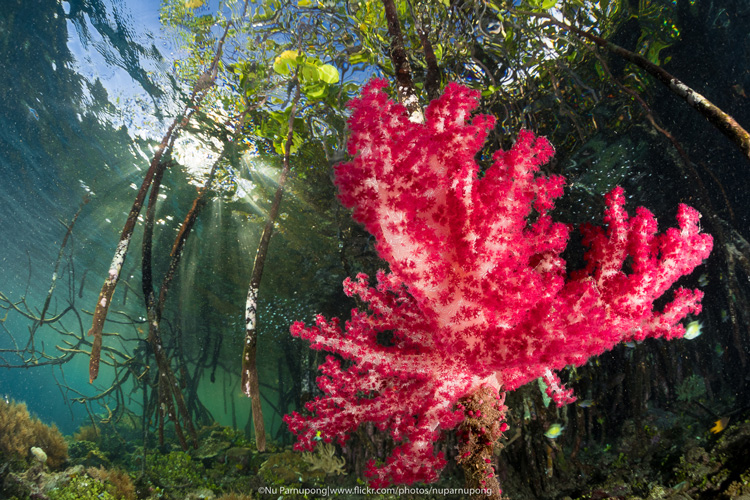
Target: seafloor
x=676 y=459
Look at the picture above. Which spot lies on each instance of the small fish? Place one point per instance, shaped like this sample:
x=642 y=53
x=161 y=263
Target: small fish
x=681 y=486
x=703 y=280
x=554 y=431
x=33 y=113
x=586 y=403
x=318 y=437
x=693 y=330
x=720 y=425
x=739 y=90
x=724 y=316
x=630 y=344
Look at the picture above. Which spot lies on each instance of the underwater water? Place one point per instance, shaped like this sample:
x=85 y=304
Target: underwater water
x=92 y=87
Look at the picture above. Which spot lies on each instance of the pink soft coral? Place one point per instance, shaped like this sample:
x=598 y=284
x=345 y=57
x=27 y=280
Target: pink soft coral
x=478 y=297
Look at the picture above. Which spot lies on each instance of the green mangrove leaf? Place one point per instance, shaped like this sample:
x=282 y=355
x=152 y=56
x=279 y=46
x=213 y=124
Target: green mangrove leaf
x=316 y=90
x=328 y=73
x=438 y=49
x=362 y=56
x=285 y=63
x=280 y=143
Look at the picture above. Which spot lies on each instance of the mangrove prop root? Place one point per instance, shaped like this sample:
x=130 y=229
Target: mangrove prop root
x=250 y=383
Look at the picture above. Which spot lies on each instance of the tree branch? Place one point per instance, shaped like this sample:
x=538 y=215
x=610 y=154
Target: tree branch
x=715 y=115
x=407 y=93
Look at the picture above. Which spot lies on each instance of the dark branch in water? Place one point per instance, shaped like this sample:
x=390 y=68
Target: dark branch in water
x=715 y=115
